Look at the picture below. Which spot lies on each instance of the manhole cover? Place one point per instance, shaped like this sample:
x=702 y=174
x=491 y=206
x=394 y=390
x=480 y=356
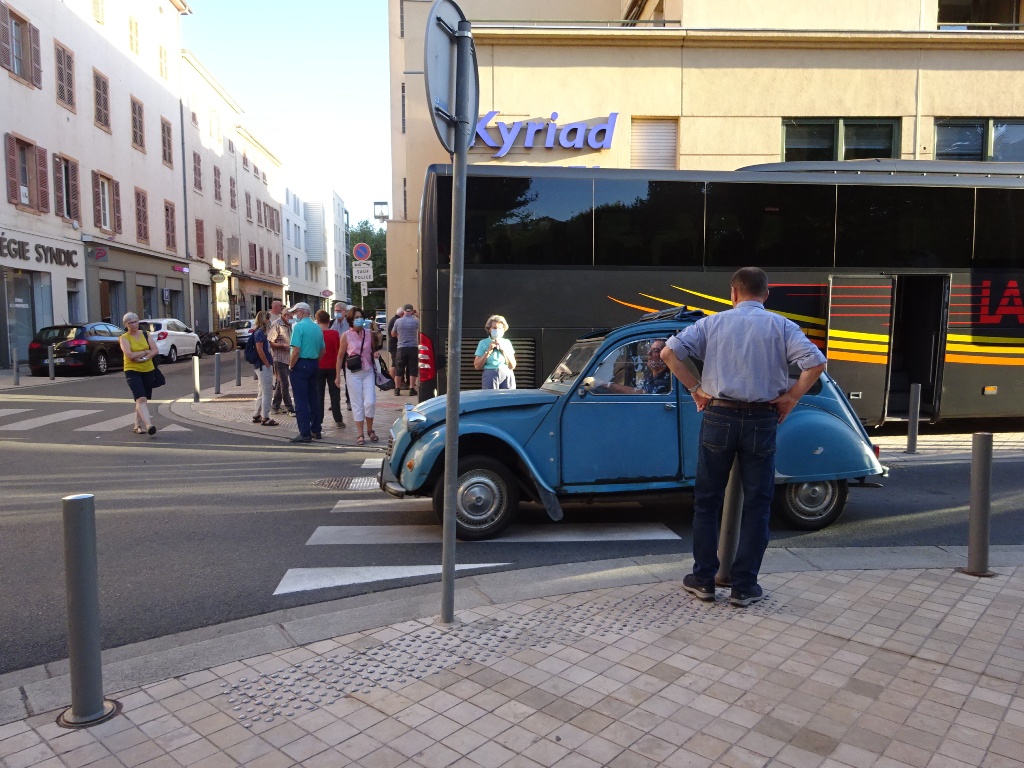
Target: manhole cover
x=347 y=483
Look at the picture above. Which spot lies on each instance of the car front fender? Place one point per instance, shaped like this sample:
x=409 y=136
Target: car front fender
x=812 y=444
x=425 y=454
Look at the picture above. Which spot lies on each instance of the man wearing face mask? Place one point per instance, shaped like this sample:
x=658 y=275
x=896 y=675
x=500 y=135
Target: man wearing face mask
x=280 y=337
x=407 y=364
x=495 y=356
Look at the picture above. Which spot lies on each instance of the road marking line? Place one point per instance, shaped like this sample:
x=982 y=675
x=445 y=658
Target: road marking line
x=110 y=424
x=545 y=534
x=383 y=503
x=41 y=421
x=12 y=411
x=173 y=428
x=306 y=579
x=372 y=463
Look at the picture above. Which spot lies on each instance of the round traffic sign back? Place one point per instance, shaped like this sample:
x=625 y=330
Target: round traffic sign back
x=361 y=251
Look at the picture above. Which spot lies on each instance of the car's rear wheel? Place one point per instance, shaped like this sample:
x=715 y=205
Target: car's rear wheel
x=172 y=354
x=199 y=350
x=811 y=506
x=100 y=364
x=486 y=498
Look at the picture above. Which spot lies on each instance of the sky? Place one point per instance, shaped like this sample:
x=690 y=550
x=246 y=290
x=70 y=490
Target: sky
x=312 y=77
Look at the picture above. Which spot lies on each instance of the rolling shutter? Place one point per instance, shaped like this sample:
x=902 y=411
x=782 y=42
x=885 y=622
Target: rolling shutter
x=655 y=143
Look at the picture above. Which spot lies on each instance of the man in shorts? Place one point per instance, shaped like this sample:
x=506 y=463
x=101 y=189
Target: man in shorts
x=407 y=359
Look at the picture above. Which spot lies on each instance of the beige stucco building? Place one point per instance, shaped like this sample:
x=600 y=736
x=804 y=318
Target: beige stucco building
x=711 y=85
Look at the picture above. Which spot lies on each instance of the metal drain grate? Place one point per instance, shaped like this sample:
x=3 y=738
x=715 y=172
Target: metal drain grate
x=296 y=689
x=348 y=483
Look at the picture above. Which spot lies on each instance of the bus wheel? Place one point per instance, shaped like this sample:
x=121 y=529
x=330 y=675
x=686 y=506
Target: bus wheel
x=811 y=506
x=486 y=498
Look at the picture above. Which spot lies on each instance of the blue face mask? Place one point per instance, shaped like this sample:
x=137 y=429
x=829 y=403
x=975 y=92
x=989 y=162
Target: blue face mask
x=338 y=315
x=358 y=322
x=497 y=333
x=293 y=321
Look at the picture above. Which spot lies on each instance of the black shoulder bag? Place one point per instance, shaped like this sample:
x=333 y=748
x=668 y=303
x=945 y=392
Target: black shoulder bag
x=158 y=375
x=354 y=364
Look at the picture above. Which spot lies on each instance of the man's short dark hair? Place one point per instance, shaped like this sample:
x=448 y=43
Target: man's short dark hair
x=750 y=281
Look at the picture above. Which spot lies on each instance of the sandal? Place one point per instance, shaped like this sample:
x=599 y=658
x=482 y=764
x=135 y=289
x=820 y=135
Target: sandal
x=138 y=430
x=256 y=419
x=373 y=436
x=360 y=440
x=269 y=423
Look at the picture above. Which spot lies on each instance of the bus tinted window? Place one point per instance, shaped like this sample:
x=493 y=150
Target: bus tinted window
x=770 y=225
x=893 y=227
x=521 y=221
x=999 y=239
x=648 y=223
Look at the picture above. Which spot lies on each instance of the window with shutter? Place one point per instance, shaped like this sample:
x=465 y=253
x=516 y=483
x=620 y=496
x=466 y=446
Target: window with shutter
x=169 y=226
x=245 y=160
x=233 y=191
x=141 y=215
x=116 y=190
x=6 y=54
x=65 y=188
x=60 y=203
x=263 y=266
x=248 y=206
x=655 y=143
x=101 y=100
x=71 y=189
x=138 y=125
x=65 y=76
x=166 y=142
x=259 y=212
x=252 y=257
x=37 y=56
x=216 y=184
x=255 y=170
x=200 y=239
x=231 y=147
x=197 y=171
x=19 y=48
x=219 y=238
x=277 y=263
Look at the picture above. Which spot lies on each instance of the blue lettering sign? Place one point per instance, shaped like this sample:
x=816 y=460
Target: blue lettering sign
x=570 y=136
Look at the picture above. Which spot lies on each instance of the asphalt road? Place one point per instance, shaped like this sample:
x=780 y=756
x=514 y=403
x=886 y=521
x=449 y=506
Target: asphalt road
x=200 y=526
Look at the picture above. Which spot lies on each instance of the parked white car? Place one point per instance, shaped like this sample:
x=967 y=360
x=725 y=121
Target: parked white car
x=173 y=338
x=243 y=329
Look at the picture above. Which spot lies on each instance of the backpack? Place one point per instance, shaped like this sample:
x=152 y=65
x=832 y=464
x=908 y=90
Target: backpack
x=251 y=355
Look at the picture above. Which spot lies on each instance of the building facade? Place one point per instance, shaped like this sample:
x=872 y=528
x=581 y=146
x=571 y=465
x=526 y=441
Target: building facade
x=91 y=223
x=711 y=85
x=327 y=244
x=304 y=279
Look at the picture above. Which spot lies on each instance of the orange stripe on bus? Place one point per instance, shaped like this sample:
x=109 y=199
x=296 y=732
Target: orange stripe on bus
x=979 y=360
x=632 y=306
x=857 y=358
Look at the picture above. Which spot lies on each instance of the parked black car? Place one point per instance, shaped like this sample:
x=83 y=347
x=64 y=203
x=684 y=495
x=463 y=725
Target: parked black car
x=85 y=347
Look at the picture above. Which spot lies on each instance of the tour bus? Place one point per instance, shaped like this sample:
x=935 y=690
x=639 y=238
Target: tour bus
x=902 y=272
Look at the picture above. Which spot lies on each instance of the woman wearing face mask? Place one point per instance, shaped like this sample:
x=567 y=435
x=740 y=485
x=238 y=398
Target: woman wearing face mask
x=356 y=356
x=495 y=356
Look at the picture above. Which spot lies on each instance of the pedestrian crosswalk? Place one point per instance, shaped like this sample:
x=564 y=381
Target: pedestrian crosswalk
x=74 y=417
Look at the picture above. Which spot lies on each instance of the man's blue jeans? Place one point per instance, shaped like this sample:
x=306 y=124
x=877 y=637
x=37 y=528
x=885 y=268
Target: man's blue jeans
x=725 y=434
x=303 y=379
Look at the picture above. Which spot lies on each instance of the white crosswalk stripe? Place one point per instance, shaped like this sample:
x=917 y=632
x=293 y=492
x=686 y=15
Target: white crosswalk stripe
x=357 y=535
x=305 y=579
x=373 y=463
x=42 y=421
x=12 y=411
x=125 y=422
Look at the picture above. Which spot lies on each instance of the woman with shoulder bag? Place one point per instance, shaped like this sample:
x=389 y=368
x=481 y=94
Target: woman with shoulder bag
x=357 y=353
x=264 y=368
x=139 y=352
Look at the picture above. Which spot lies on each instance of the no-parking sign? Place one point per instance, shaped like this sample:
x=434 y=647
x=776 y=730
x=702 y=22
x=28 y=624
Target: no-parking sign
x=361 y=251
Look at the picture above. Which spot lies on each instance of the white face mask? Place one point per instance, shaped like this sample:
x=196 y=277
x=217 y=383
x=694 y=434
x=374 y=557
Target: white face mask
x=497 y=333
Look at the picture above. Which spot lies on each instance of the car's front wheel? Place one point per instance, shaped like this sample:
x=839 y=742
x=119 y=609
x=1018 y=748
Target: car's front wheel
x=811 y=506
x=172 y=354
x=486 y=498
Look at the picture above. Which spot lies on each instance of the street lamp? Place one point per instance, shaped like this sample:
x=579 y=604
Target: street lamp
x=380 y=211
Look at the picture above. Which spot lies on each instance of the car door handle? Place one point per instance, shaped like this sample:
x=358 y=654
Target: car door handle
x=670 y=406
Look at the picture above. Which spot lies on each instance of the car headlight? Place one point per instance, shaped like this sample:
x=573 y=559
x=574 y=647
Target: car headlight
x=414 y=420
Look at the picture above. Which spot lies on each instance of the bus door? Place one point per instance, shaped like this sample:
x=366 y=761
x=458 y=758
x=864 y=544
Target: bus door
x=859 y=326
x=919 y=314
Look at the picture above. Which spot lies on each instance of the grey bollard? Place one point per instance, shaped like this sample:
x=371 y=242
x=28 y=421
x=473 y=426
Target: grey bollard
x=195 y=379
x=729 y=534
x=50 y=363
x=81 y=584
x=238 y=368
x=981 y=506
x=216 y=373
x=913 y=418
x=17 y=371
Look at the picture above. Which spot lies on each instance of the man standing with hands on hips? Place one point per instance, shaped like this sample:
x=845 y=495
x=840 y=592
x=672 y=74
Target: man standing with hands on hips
x=307 y=344
x=745 y=392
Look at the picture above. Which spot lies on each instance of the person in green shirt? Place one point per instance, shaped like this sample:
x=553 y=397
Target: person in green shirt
x=495 y=356
x=307 y=344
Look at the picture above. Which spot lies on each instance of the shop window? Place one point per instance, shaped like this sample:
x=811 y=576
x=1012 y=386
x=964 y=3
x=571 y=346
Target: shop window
x=233 y=192
x=197 y=172
x=200 y=239
x=978 y=14
x=217 y=185
x=170 y=226
x=65 y=188
x=28 y=180
x=141 y=215
x=138 y=125
x=101 y=100
x=839 y=139
x=20 y=53
x=65 y=76
x=982 y=139
x=166 y=143
x=106 y=203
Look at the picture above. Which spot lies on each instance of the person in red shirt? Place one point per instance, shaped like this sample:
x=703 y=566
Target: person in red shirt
x=325 y=378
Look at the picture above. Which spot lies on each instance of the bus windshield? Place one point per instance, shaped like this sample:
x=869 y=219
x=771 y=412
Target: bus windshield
x=563 y=378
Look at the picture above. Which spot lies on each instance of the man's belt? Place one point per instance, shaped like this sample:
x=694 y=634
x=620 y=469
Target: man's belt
x=740 y=405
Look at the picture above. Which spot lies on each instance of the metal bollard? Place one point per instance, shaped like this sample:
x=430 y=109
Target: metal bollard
x=195 y=379
x=238 y=368
x=216 y=373
x=914 y=418
x=81 y=583
x=729 y=533
x=17 y=371
x=51 y=363
x=981 y=506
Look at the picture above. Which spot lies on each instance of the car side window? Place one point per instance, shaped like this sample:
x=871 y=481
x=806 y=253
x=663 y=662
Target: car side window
x=634 y=368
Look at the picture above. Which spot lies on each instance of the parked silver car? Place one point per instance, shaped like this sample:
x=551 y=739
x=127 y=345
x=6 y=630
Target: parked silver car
x=173 y=338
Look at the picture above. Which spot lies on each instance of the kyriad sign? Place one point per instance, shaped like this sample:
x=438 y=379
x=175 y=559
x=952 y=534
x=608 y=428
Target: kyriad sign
x=569 y=136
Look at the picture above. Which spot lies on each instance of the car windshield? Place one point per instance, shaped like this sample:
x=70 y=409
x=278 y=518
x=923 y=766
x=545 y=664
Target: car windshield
x=239 y=324
x=563 y=378
x=51 y=335
x=147 y=326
